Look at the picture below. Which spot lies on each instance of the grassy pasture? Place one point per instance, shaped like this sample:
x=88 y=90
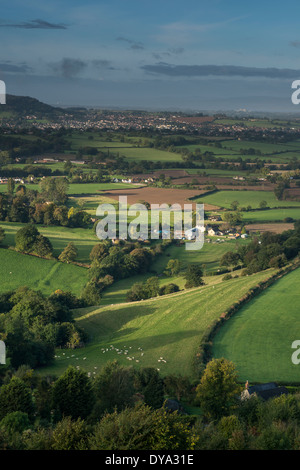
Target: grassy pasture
x=247 y=122
x=271 y=215
x=94 y=188
x=92 y=139
x=129 y=150
x=144 y=153
x=264 y=147
x=83 y=239
x=245 y=198
x=214 y=172
x=265 y=123
x=81 y=188
x=258 y=338
x=169 y=327
x=207 y=148
x=208 y=257
x=46 y=275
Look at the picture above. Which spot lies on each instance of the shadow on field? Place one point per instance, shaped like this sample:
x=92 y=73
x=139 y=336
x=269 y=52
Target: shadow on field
x=99 y=324
x=114 y=326
x=155 y=341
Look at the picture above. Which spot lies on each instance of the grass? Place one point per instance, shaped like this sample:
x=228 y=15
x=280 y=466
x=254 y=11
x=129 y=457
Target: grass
x=84 y=188
x=144 y=153
x=264 y=147
x=169 y=327
x=91 y=139
x=94 y=188
x=218 y=151
x=83 y=239
x=215 y=172
x=245 y=198
x=209 y=256
x=90 y=203
x=39 y=274
x=271 y=215
x=258 y=338
x=248 y=123
x=129 y=150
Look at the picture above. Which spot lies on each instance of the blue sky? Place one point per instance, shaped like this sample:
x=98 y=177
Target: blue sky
x=209 y=54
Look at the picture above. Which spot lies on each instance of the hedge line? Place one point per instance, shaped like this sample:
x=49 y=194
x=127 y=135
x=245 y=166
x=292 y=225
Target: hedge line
x=204 y=352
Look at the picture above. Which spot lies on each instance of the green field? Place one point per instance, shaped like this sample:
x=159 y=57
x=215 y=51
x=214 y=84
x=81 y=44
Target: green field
x=132 y=150
x=265 y=147
x=83 y=239
x=46 y=275
x=266 y=123
x=84 y=188
x=271 y=215
x=208 y=257
x=92 y=139
x=216 y=172
x=144 y=153
x=94 y=188
x=245 y=198
x=258 y=338
x=169 y=327
x=208 y=148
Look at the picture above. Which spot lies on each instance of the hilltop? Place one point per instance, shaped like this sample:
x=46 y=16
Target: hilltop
x=27 y=106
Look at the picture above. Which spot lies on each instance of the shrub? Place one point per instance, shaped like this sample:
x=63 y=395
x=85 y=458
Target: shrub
x=227 y=277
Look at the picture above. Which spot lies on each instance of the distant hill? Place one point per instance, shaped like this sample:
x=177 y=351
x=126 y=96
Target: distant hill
x=25 y=105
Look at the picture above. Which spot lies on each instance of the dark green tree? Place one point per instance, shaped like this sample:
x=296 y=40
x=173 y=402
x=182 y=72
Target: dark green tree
x=70 y=435
x=25 y=238
x=42 y=246
x=69 y=253
x=10 y=186
x=151 y=386
x=114 y=387
x=72 y=394
x=230 y=258
x=218 y=390
x=2 y=235
x=15 y=396
x=193 y=276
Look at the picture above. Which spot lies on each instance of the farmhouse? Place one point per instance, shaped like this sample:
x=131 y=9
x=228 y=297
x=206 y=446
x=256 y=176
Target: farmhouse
x=214 y=231
x=214 y=218
x=264 y=391
x=193 y=233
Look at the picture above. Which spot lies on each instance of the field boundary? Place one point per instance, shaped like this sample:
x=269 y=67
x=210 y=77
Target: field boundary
x=206 y=193
x=204 y=352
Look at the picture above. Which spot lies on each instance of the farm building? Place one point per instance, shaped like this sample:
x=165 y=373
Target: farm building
x=214 y=231
x=264 y=391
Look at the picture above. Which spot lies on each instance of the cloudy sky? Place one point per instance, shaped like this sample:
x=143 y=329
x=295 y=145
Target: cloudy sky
x=152 y=54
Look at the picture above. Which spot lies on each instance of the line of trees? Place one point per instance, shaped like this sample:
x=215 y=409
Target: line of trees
x=47 y=207
x=110 y=263
x=32 y=325
x=267 y=251
x=127 y=409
